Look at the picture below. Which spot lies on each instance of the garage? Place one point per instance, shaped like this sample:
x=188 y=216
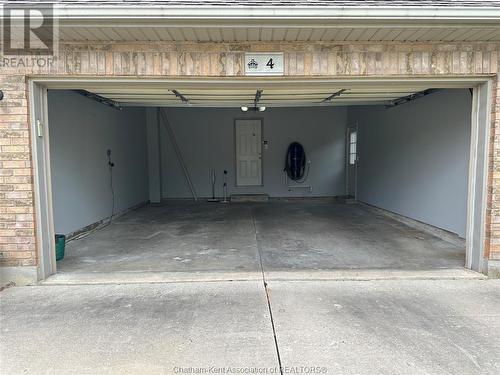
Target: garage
x=322 y=74
x=173 y=181
x=285 y=186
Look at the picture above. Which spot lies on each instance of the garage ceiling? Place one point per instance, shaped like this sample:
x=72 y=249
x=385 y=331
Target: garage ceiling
x=275 y=92
x=247 y=97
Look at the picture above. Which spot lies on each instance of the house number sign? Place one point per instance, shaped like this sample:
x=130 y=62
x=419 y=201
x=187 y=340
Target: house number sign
x=264 y=64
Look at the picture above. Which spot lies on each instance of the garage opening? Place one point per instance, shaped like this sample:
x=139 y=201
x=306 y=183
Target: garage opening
x=194 y=183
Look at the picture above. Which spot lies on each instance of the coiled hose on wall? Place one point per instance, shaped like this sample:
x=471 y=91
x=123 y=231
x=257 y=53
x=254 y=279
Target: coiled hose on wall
x=295 y=163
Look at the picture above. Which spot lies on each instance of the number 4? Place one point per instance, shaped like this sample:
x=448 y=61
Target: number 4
x=270 y=63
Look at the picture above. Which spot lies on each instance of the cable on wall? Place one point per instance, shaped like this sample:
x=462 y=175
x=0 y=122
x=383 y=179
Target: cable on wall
x=102 y=225
x=111 y=165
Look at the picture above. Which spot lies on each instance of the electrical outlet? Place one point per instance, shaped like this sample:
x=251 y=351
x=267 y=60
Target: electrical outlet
x=110 y=163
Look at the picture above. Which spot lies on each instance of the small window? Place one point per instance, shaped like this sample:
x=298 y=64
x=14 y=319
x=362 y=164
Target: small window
x=352 y=159
x=353 y=138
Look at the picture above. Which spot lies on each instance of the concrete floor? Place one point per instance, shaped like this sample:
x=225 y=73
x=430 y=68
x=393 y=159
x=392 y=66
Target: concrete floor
x=375 y=327
x=330 y=327
x=298 y=240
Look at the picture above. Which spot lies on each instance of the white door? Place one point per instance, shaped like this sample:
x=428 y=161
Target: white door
x=248 y=137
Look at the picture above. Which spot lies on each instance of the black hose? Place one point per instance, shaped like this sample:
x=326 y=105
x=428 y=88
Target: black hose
x=295 y=163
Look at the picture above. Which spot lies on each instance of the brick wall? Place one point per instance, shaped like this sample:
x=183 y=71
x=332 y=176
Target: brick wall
x=17 y=236
x=17 y=233
x=492 y=248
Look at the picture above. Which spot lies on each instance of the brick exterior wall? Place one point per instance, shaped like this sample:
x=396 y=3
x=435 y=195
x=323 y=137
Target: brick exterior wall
x=17 y=220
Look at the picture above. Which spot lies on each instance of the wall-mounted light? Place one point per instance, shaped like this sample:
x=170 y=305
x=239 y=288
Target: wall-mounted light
x=256 y=109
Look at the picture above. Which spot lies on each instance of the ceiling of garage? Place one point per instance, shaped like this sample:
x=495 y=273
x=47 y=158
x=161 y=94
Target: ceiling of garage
x=256 y=92
x=250 y=98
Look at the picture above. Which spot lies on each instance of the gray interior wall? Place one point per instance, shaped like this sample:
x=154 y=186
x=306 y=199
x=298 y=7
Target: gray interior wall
x=206 y=137
x=414 y=158
x=81 y=130
x=154 y=168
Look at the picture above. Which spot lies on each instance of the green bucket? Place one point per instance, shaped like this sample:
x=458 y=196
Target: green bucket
x=60 y=244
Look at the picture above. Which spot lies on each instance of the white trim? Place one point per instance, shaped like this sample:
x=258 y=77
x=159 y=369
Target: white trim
x=48 y=178
x=451 y=81
x=478 y=178
x=42 y=182
x=71 y=18
x=75 y=12
x=75 y=15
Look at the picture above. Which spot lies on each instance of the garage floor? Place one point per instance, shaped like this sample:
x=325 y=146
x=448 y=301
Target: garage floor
x=292 y=239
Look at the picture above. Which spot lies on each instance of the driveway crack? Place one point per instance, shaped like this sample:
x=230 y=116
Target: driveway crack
x=266 y=290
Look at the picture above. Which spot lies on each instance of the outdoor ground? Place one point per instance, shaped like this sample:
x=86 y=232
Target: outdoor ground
x=338 y=327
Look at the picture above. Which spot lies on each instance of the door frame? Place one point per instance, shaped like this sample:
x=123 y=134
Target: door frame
x=347 y=158
x=261 y=119
x=478 y=166
x=40 y=150
x=477 y=192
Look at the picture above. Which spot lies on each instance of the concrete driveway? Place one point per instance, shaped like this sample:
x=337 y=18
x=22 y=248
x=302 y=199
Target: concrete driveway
x=333 y=327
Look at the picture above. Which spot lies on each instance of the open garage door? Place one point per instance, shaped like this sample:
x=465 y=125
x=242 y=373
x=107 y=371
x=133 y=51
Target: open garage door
x=132 y=165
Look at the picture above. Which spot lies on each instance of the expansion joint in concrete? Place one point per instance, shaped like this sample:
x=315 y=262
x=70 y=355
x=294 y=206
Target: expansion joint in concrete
x=266 y=290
